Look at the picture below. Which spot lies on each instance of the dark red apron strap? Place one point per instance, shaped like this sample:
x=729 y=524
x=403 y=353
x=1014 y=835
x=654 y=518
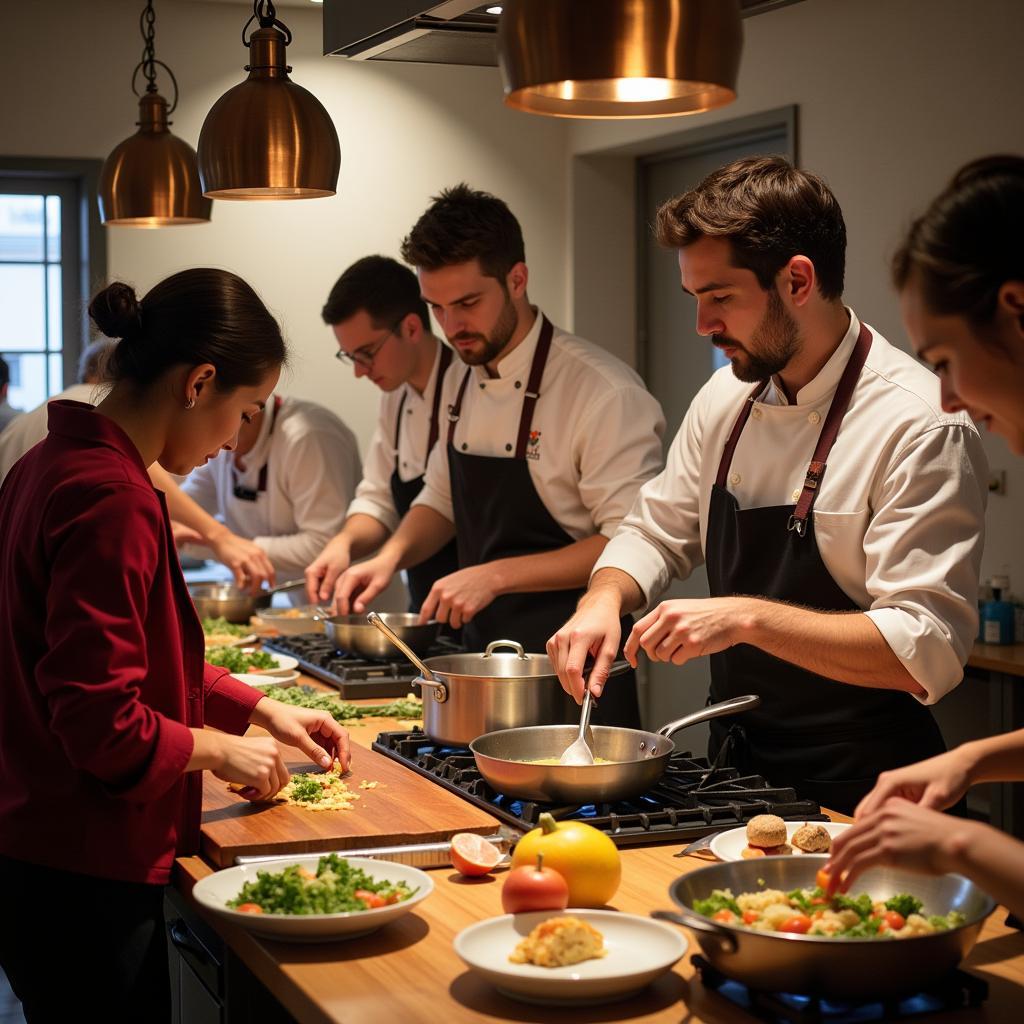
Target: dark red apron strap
x=830 y=431
x=734 y=437
x=455 y=410
x=540 y=358
x=398 y=424
x=435 y=429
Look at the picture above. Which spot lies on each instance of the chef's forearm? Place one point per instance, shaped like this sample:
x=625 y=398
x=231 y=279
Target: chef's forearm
x=845 y=646
x=421 y=533
x=362 y=534
x=565 y=568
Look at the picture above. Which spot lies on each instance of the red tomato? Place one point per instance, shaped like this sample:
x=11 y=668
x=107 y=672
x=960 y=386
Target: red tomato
x=796 y=925
x=894 y=920
x=750 y=916
x=249 y=908
x=371 y=899
x=819 y=901
x=822 y=879
x=724 y=915
x=534 y=888
x=883 y=926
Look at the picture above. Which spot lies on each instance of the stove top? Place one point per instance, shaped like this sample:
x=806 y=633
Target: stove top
x=354 y=677
x=953 y=991
x=692 y=799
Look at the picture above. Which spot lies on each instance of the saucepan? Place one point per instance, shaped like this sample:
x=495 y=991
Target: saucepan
x=224 y=600
x=628 y=761
x=354 y=634
x=837 y=968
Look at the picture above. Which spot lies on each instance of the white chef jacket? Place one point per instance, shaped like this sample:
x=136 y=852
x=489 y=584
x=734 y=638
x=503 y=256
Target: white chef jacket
x=595 y=437
x=28 y=429
x=900 y=514
x=373 y=495
x=313 y=467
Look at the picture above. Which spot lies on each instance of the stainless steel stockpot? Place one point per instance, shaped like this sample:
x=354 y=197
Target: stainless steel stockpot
x=473 y=694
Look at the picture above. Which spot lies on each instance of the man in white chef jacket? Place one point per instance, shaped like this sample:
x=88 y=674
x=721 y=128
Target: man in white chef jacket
x=547 y=440
x=382 y=328
x=285 y=486
x=839 y=510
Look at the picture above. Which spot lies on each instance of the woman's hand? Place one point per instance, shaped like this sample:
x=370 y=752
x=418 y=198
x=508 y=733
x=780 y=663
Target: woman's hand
x=315 y=733
x=251 y=761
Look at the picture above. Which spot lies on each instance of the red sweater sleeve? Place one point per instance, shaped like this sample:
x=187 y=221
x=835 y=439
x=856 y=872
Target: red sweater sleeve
x=229 y=701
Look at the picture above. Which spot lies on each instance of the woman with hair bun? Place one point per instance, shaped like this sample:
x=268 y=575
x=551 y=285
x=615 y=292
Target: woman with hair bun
x=105 y=689
x=960 y=273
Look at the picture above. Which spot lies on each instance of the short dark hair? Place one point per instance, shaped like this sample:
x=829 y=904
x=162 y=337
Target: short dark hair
x=463 y=224
x=380 y=285
x=967 y=244
x=196 y=316
x=769 y=212
x=5 y=373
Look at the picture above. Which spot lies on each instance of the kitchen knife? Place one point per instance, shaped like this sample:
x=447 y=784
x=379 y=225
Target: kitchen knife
x=699 y=845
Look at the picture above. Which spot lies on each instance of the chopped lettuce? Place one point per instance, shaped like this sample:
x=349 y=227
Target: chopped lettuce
x=720 y=899
x=903 y=903
x=861 y=905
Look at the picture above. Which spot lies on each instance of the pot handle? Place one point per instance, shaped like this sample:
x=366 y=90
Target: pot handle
x=725 y=940
x=517 y=647
x=725 y=707
x=439 y=689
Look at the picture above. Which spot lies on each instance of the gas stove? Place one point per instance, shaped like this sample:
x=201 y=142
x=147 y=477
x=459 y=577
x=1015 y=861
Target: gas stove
x=692 y=799
x=354 y=677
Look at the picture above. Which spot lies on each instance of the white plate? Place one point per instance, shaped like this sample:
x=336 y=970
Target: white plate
x=267 y=678
x=285 y=664
x=730 y=845
x=639 y=950
x=214 y=891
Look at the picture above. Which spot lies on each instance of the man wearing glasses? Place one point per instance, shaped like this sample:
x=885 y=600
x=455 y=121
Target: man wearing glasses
x=383 y=332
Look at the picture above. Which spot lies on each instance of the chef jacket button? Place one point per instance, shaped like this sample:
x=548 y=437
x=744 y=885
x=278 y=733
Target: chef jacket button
x=756 y=413
x=795 y=496
x=404 y=463
x=482 y=385
x=735 y=478
x=508 y=447
x=813 y=417
x=408 y=412
x=519 y=383
x=464 y=446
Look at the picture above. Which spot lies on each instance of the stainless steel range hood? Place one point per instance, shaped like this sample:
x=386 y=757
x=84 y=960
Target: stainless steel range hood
x=416 y=31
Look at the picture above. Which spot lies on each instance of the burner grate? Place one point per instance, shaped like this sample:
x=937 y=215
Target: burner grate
x=692 y=799
x=956 y=990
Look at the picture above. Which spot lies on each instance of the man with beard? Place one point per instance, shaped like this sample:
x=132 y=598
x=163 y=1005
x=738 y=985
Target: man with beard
x=547 y=441
x=845 y=599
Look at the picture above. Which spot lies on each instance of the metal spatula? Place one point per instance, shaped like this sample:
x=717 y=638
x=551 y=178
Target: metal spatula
x=578 y=753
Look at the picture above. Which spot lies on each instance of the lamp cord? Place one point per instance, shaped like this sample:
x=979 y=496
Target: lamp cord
x=265 y=13
x=148 y=64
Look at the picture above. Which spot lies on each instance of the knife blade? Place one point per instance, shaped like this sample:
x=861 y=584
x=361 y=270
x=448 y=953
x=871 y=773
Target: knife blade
x=703 y=843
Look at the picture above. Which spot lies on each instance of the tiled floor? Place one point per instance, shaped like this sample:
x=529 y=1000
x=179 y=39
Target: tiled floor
x=10 y=1008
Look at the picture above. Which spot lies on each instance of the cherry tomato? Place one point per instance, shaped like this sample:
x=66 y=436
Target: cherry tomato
x=796 y=925
x=249 y=908
x=534 y=887
x=822 y=879
x=883 y=927
x=819 y=901
x=724 y=915
x=894 y=920
x=371 y=899
x=750 y=916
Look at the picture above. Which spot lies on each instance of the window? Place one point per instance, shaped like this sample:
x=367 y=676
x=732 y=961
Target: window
x=51 y=249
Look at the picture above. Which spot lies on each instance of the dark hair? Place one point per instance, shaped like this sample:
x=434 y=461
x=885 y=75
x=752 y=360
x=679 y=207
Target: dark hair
x=464 y=224
x=92 y=363
x=769 y=212
x=968 y=242
x=5 y=372
x=380 y=285
x=197 y=316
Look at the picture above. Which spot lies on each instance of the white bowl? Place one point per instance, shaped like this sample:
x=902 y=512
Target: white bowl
x=639 y=950
x=730 y=845
x=265 y=679
x=214 y=891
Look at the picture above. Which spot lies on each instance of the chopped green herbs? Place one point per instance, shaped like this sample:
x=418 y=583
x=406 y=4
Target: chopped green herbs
x=720 y=899
x=903 y=903
x=235 y=659
x=342 y=711
x=221 y=625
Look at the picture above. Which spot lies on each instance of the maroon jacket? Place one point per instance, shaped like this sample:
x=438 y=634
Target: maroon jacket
x=101 y=662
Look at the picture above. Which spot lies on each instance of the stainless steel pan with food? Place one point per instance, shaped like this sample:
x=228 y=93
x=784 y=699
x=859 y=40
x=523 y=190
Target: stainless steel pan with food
x=840 y=968
x=627 y=761
x=224 y=600
x=353 y=633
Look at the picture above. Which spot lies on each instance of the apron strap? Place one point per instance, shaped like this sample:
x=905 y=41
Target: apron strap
x=455 y=409
x=398 y=424
x=829 y=432
x=734 y=437
x=540 y=359
x=435 y=429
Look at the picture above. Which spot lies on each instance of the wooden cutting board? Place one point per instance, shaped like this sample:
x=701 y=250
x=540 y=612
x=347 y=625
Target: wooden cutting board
x=404 y=808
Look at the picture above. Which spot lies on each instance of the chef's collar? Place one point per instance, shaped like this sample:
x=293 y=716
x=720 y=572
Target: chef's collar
x=827 y=380
x=257 y=456
x=432 y=382
x=517 y=362
x=82 y=423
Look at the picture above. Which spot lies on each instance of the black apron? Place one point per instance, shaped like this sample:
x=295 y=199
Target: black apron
x=826 y=739
x=498 y=514
x=404 y=492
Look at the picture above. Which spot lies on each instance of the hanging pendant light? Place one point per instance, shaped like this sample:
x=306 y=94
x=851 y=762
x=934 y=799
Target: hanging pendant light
x=619 y=58
x=268 y=138
x=151 y=180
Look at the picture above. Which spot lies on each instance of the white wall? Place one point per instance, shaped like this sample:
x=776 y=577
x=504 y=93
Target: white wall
x=893 y=96
x=406 y=131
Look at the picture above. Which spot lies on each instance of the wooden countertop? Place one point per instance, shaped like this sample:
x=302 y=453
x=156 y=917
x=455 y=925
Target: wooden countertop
x=1005 y=658
x=395 y=973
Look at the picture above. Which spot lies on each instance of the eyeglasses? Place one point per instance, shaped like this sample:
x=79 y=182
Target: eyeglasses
x=365 y=356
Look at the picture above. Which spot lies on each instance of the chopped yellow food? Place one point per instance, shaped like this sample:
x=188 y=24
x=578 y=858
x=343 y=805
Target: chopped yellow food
x=560 y=941
x=367 y=784
x=558 y=760
x=325 y=791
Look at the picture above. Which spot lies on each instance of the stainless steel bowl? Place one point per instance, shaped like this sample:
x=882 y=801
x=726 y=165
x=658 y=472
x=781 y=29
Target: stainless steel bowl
x=216 y=600
x=837 y=968
x=354 y=634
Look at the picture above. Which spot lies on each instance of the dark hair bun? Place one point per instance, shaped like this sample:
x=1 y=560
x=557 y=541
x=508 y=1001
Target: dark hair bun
x=116 y=311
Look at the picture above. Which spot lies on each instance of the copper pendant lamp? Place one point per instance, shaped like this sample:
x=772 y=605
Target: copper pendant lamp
x=619 y=58
x=268 y=138
x=151 y=180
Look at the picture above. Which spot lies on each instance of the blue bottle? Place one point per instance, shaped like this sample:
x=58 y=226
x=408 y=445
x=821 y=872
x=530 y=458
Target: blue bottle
x=997 y=615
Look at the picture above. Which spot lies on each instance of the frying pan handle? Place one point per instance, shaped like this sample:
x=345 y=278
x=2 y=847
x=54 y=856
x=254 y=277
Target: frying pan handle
x=518 y=648
x=290 y=585
x=725 y=707
x=725 y=939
